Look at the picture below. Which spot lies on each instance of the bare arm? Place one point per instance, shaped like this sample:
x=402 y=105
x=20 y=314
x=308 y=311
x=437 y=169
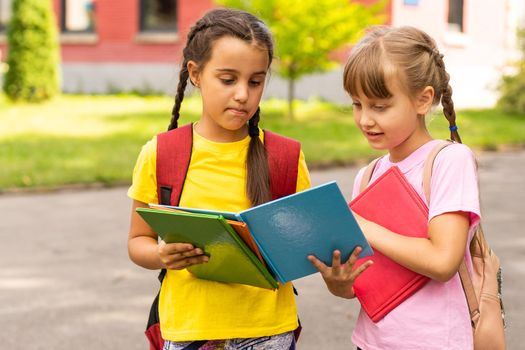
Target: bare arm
x=437 y=256
x=145 y=251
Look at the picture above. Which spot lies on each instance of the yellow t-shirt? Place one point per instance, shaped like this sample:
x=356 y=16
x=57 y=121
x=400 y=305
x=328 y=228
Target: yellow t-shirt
x=197 y=309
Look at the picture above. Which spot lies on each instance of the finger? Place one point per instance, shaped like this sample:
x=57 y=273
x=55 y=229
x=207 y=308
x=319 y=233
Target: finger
x=336 y=261
x=318 y=264
x=361 y=268
x=187 y=262
x=192 y=252
x=354 y=256
x=175 y=257
x=198 y=260
x=172 y=248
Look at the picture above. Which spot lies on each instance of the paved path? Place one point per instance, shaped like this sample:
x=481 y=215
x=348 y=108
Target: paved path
x=66 y=281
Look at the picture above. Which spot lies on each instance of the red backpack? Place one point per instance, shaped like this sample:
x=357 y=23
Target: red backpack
x=173 y=158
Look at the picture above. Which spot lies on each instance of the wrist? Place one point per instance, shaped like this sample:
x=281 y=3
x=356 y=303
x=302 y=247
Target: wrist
x=351 y=293
x=345 y=293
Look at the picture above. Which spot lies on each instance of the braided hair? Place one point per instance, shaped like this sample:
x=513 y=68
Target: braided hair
x=216 y=24
x=411 y=52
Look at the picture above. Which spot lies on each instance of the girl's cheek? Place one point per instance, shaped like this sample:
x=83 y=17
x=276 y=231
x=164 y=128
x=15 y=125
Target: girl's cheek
x=357 y=118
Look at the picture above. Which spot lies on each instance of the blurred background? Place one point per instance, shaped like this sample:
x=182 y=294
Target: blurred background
x=106 y=71
x=85 y=83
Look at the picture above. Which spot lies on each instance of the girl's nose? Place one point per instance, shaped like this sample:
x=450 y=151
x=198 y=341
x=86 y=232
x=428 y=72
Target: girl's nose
x=365 y=119
x=241 y=93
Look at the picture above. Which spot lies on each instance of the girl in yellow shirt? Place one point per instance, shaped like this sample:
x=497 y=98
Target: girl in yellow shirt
x=227 y=57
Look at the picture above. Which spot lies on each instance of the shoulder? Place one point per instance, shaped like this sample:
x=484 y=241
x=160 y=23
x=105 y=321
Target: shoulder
x=149 y=149
x=177 y=136
x=271 y=137
x=143 y=187
x=456 y=154
x=281 y=148
x=454 y=163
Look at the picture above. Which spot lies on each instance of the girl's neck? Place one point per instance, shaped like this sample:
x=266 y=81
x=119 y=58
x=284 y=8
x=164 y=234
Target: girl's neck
x=217 y=134
x=407 y=147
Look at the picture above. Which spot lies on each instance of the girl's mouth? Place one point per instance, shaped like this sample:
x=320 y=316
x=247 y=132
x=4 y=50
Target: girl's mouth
x=369 y=133
x=238 y=112
x=373 y=135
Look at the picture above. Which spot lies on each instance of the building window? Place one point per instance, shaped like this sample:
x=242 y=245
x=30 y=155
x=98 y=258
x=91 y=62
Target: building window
x=455 y=15
x=158 y=15
x=5 y=14
x=78 y=16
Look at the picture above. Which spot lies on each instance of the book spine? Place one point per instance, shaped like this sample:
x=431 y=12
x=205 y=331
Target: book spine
x=266 y=257
x=249 y=254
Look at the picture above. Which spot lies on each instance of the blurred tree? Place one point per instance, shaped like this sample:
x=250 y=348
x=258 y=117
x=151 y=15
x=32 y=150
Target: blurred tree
x=33 y=55
x=512 y=86
x=307 y=32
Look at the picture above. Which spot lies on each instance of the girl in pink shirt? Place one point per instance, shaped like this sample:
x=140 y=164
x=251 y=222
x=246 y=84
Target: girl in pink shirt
x=394 y=77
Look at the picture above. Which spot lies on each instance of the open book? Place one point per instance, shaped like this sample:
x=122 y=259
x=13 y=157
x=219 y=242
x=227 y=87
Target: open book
x=268 y=243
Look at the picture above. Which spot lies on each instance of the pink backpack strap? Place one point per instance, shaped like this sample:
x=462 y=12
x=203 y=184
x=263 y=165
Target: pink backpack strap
x=466 y=281
x=367 y=175
x=173 y=159
x=427 y=167
x=283 y=160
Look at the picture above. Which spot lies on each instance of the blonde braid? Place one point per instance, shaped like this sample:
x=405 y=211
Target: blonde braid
x=446 y=98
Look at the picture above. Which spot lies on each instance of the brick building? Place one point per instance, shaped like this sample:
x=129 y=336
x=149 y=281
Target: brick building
x=116 y=45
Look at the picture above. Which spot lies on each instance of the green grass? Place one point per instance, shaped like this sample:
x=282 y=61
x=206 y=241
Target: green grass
x=96 y=139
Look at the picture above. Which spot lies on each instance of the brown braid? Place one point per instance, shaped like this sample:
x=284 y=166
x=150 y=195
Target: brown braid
x=258 y=183
x=183 y=81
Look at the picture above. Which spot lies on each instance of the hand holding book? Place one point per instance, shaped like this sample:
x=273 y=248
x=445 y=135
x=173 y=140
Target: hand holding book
x=178 y=256
x=340 y=277
x=266 y=244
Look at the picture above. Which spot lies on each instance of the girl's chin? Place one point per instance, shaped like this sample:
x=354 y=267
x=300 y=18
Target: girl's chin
x=375 y=144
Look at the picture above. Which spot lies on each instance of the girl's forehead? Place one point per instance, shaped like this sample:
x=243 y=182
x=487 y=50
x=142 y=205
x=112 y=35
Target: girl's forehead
x=392 y=84
x=230 y=51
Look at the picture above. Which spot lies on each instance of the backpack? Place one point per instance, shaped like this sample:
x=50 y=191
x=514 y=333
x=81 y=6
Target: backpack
x=173 y=158
x=483 y=288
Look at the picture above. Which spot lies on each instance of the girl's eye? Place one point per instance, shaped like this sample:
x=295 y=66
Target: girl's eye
x=227 y=81
x=255 y=82
x=356 y=105
x=379 y=107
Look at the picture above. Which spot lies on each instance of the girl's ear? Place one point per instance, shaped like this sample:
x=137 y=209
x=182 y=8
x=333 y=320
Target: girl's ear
x=194 y=73
x=424 y=100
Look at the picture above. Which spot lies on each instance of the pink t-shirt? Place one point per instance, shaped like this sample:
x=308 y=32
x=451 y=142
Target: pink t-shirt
x=436 y=316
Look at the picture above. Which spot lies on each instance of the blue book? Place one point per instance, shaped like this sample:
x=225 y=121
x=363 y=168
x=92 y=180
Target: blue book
x=286 y=230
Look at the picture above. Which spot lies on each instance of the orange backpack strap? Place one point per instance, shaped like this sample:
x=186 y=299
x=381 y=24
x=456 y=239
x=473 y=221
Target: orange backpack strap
x=283 y=160
x=466 y=281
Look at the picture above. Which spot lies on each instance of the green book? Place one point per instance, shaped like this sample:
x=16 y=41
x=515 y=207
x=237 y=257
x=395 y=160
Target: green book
x=231 y=260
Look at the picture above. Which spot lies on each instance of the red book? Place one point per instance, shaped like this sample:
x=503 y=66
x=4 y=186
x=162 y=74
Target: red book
x=391 y=202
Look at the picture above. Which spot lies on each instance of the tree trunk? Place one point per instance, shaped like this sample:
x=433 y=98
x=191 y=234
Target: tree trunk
x=291 y=97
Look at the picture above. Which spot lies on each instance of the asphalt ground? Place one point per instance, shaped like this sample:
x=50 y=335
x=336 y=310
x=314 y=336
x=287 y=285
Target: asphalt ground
x=66 y=281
